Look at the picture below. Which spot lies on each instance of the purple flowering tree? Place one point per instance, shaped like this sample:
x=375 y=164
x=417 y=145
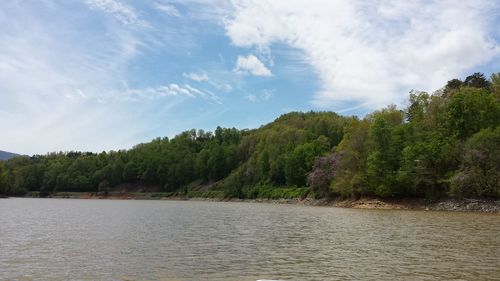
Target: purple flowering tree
x=323 y=171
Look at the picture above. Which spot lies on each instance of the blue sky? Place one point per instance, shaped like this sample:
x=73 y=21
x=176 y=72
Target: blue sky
x=99 y=75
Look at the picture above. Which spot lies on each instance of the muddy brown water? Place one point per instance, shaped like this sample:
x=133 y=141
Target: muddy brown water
x=72 y=239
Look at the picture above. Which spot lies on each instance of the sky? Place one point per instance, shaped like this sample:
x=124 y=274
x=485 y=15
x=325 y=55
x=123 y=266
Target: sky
x=94 y=75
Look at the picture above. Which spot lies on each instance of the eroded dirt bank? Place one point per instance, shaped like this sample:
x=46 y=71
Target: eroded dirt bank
x=467 y=205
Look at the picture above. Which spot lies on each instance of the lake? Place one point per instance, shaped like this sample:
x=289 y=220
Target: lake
x=71 y=239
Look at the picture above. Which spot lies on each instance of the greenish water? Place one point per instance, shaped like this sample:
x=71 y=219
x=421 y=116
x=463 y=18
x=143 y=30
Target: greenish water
x=70 y=239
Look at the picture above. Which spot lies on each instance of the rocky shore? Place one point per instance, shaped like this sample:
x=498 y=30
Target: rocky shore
x=462 y=205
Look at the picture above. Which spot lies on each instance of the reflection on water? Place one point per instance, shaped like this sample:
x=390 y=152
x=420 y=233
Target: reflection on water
x=58 y=239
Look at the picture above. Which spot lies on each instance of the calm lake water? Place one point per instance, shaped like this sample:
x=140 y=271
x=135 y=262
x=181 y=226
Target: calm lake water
x=59 y=239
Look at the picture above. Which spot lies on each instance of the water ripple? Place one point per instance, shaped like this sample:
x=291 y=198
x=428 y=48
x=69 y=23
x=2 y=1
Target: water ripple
x=57 y=239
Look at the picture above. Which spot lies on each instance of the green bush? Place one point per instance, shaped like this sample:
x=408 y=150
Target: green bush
x=269 y=192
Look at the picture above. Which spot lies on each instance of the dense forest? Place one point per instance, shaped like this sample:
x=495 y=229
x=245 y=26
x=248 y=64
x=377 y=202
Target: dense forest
x=442 y=144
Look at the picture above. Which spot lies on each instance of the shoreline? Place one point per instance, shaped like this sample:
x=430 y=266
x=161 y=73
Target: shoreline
x=464 y=205
x=460 y=205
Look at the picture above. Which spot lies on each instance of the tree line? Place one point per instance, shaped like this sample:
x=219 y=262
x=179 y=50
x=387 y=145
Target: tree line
x=441 y=144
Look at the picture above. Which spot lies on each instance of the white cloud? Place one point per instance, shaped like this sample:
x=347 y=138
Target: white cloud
x=213 y=10
x=196 y=76
x=267 y=94
x=212 y=97
x=167 y=9
x=172 y=89
x=264 y=96
x=122 y=12
x=153 y=93
x=370 y=52
x=252 y=98
x=221 y=86
x=251 y=65
x=81 y=94
x=203 y=77
x=195 y=90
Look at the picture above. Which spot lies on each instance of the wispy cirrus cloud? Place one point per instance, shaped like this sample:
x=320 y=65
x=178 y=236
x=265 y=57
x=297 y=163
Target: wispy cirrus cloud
x=202 y=76
x=196 y=76
x=172 y=89
x=67 y=86
x=122 y=12
x=170 y=10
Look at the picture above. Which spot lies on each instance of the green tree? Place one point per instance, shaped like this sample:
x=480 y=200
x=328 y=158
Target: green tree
x=263 y=165
x=217 y=163
x=479 y=175
x=299 y=162
x=453 y=85
x=470 y=110
x=495 y=86
x=477 y=80
x=130 y=172
x=387 y=134
x=351 y=178
x=4 y=190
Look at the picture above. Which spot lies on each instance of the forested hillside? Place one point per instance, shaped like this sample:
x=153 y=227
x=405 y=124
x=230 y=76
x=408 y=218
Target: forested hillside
x=441 y=144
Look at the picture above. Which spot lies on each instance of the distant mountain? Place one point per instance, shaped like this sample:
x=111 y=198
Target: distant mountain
x=4 y=155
